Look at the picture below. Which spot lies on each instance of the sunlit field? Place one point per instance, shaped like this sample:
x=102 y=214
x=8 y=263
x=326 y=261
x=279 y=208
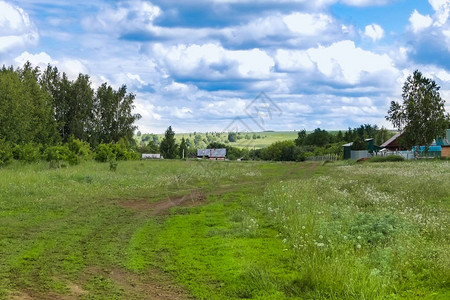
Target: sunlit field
x=225 y=230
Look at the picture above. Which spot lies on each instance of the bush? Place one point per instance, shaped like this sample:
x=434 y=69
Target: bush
x=5 y=152
x=80 y=148
x=104 y=153
x=29 y=152
x=108 y=152
x=55 y=154
x=279 y=151
x=387 y=158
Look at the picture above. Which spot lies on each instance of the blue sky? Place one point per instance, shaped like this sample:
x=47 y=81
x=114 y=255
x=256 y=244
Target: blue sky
x=200 y=65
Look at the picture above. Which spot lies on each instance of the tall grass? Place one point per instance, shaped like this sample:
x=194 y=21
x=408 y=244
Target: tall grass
x=367 y=232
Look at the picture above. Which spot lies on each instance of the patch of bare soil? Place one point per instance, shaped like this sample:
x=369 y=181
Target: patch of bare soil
x=195 y=198
x=153 y=284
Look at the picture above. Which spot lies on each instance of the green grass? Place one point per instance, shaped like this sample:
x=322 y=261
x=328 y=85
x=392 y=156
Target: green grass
x=264 y=230
x=263 y=139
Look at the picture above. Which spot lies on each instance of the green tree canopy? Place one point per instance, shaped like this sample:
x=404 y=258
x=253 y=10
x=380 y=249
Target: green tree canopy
x=168 y=146
x=183 y=151
x=422 y=115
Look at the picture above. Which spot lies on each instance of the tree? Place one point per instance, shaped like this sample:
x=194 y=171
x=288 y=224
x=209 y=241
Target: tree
x=168 y=147
x=382 y=136
x=183 y=151
x=301 y=138
x=113 y=112
x=318 y=138
x=232 y=137
x=359 y=144
x=421 y=116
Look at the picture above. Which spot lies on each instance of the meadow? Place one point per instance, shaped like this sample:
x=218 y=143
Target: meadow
x=248 y=140
x=225 y=230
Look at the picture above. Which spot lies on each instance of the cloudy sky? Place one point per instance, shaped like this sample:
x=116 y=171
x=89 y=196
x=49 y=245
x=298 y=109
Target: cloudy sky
x=200 y=65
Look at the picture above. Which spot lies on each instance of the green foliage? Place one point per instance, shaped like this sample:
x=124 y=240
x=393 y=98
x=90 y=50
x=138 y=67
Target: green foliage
x=279 y=151
x=232 y=137
x=422 y=115
x=6 y=154
x=29 y=152
x=359 y=144
x=114 y=110
x=25 y=108
x=118 y=151
x=113 y=165
x=80 y=148
x=48 y=108
x=392 y=158
x=183 y=150
x=104 y=153
x=55 y=154
x=168 y=146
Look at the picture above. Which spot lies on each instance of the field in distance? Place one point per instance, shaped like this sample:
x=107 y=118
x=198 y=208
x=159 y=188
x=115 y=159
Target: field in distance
x=249 y=140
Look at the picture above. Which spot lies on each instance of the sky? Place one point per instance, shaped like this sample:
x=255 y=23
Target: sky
x=245 y=65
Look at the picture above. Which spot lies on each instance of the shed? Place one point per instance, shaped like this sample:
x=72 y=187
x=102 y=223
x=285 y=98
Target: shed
x=219 y=153
x=348 y=150
x=371 y=147
x=392 y=144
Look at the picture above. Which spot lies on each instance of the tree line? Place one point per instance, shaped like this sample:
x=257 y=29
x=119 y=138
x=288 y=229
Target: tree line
x=46 y=107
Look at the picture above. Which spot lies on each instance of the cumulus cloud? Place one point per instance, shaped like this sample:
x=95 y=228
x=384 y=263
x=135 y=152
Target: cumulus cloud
x=213 y=62
x=126 y=17
x=16 y=28
x=341 y=61
x=72 y=67
x=419 y=22
x=430 y=35
x=41 y=59
x=374 y=32
x=307 y=24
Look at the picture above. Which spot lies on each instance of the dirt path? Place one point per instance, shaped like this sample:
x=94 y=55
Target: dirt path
x=195 y=198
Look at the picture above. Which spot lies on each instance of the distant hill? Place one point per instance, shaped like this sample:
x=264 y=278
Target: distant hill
x=250 y=140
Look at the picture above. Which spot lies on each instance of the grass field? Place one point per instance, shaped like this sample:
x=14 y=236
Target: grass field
x=261 y=140
x=225 y=230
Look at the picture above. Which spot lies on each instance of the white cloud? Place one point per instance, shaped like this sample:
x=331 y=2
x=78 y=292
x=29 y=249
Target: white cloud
x=291 y=60
x=135 y=77
x=129 y=15
x=40 y=60
x=212 y=61
x=419 y=22
x=374 y=31
x=16 y=29
x=442 y=11
x=307 y=24
x=341 y=61
x=365 y=2
x=72 y=67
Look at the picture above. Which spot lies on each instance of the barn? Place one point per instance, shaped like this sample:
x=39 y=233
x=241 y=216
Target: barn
x=213 y=154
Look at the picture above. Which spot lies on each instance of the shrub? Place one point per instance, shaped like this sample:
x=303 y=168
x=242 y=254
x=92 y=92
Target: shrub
x=387 y=158
x=29 y=152
x=5 y=152
x=55 y=154
x=80 y=148
x=104 y=153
